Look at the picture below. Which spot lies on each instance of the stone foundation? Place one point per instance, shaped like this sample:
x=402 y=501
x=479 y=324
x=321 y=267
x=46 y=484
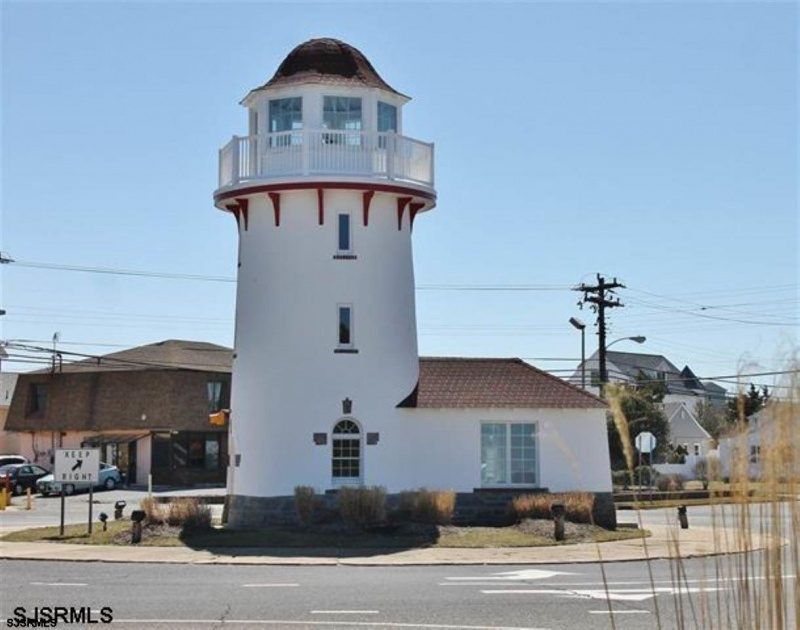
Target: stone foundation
x=482 y=507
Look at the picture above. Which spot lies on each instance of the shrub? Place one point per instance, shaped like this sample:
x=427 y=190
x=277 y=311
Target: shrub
x=645 y=476
x=305 y=504
x=578 y=506
x=621 y=478
x=670 y=483
x=707 y=469
x=154 y=512
x=362 y=507
x=405 y=504
x=434 y=506
x=189 y=514
x=196 y=516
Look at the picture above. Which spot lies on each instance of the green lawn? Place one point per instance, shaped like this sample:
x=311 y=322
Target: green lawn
x=473 y=537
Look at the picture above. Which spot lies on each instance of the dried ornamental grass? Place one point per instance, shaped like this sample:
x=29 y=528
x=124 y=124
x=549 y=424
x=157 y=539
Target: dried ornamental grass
x=362 y=507
x=434 y=506
x=305 y=504
x=578 y=506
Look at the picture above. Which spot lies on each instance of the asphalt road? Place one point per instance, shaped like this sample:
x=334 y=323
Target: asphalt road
x=195 y=596
x=449 y=598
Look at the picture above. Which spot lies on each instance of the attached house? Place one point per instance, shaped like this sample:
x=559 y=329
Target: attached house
x=686 y=431
x=146 y=408
x=773 y=433
x=682 y=386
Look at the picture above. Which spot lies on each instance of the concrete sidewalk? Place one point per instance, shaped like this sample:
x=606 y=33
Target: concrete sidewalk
x=665 y=542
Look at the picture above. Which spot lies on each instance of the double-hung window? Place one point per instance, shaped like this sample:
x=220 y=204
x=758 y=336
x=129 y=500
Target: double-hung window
x=345 y=325
x=508 y=453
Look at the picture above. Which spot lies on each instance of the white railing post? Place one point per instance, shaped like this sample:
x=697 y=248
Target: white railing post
x=305 y=148
x=235 y=160
x=391 y=150
x=432 y=163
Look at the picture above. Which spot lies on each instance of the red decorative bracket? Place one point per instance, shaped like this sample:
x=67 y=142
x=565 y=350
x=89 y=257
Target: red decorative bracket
x=413 y=209
x=243 y=204
x=368 y=195
x=402 y=202
x=321 y=205
x=276 y=207
x=233 y=208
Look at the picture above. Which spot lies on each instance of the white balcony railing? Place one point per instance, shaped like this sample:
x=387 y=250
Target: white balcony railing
x=322 y=152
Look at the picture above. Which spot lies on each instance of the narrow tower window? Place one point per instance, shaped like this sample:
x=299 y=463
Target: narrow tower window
x=344 y=234
x=345 y=326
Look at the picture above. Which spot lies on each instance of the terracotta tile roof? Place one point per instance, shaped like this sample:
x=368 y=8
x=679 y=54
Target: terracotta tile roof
x=327 y=60
x=452 y=383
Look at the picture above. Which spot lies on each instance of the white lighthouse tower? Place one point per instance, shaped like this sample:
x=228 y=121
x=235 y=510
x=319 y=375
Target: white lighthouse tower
x=325 y=189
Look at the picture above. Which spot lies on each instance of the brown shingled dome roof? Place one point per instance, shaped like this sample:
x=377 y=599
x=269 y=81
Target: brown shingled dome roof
x=327 y=60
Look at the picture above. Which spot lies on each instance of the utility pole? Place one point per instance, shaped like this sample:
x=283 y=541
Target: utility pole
x=601 y=296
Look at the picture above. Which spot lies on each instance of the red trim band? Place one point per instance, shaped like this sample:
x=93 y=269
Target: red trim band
x=266 y=188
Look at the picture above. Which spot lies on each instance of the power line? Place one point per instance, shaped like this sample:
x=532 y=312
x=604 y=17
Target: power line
x=227 y=279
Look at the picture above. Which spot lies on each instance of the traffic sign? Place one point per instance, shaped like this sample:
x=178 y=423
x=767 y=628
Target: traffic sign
x=646 y=442
x=77 y=465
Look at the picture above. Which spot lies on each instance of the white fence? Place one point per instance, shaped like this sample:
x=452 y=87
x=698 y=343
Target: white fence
x=326 y=152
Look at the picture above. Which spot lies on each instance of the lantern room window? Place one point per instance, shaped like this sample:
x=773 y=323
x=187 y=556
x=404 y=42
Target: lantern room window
x=387 y=118
x=343 y=114
x=285 y=114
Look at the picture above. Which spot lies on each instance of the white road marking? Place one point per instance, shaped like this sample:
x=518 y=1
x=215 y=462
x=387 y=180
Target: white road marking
x=58 y=584
x=339 y=624
x=268 y=585
x=524 y=574
x=344 y=612
x=630 y=594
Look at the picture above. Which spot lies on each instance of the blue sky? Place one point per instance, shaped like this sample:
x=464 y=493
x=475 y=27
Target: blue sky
x=652 y=142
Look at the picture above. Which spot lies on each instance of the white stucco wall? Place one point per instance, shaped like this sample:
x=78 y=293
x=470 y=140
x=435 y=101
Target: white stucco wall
x=287 y=381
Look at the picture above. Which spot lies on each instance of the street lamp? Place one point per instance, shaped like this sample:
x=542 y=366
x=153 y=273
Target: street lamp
x=637 y=339
x=582 y=327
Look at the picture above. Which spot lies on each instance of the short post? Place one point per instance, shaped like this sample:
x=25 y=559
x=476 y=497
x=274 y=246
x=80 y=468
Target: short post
x=2 y=499
x=63 y=499
x=558 y=512
x=137 y=516
x=28 y=500
x=682 y=517
x=91 y=502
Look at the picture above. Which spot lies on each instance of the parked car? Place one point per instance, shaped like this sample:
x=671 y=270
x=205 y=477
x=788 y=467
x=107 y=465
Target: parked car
x=19 y=477
x=109 y=479
x=6 y=460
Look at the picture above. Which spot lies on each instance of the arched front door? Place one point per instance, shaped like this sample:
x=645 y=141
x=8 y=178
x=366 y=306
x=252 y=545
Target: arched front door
x=347 y=464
